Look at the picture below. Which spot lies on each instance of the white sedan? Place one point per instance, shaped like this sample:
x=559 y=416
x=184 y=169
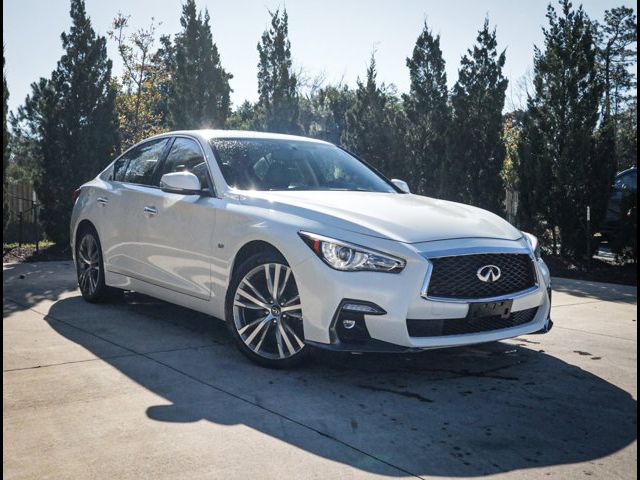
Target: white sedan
x=297 y=243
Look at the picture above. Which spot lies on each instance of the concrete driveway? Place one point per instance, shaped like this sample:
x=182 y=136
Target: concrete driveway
x=144 y=389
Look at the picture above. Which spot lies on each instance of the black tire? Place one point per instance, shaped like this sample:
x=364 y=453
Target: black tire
x=93 y=287
x=250 y=264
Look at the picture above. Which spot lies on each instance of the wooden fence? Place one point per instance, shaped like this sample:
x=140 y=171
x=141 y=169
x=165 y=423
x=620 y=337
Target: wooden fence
x=22 y=209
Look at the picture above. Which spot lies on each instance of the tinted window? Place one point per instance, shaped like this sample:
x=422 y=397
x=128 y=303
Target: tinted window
x=120 y=166
x=186 y=156
x=140 y=162
x=264 y=164
x=628 y=182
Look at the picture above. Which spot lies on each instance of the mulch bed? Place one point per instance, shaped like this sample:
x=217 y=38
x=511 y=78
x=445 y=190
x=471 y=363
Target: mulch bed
x=596 y=271
x=28 y=253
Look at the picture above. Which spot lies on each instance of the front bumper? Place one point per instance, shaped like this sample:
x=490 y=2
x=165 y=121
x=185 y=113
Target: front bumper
x=401 y=297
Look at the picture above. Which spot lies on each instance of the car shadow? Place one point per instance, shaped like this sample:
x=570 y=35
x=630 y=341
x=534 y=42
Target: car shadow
x=460 y=412
x=27 y=284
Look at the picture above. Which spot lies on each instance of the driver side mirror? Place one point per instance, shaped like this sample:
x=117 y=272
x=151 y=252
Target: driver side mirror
x=401 y=184
x=185 y=183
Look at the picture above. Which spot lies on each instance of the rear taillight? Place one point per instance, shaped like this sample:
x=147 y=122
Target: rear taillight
x=76 y=194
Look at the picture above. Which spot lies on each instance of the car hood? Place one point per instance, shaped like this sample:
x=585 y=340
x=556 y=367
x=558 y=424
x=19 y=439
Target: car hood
x=403 y=217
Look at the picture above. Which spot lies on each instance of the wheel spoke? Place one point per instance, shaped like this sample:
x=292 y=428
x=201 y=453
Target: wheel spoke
x=93 y=282
x=93 y=252
x=294 y=314
x=284 y=282
x=253 y=299
x=238 y=303
x=254 y=290
x=290 y=308
x=276 y=281
x=291 y=300
x=251 y=324
x=264 y=334
x=285 y=337
x=83 y=278
x=279 y=342
x=257 y=330
x=297 y=339
x=83 y=256
x=267 y=274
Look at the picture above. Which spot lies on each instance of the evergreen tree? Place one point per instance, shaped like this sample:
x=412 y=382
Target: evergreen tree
x=163 y=67
x=372 y=124
x=72 y=119
x=244 y=117
x=561 y=169
x=475 y=140
x=323 y=112
x=278 y=102
x=200 y=91
x=616 y=39
x=5 y=143
x=627 y=136
x=427 y=110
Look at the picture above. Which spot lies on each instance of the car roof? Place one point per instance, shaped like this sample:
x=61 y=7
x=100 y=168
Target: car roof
x=208 y=134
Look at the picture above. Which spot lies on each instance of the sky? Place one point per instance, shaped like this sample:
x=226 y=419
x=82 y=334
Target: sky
x=330 y=37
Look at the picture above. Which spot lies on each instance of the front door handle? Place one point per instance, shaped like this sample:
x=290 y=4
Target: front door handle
x=150 y=211
x=102 y=200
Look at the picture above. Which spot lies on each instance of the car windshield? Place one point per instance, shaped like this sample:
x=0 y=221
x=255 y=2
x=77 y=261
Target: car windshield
x=270 y=164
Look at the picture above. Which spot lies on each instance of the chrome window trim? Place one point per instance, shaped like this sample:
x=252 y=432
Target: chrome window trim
x=456 y=252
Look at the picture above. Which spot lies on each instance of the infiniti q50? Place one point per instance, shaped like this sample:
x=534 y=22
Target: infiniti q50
x=296 y=243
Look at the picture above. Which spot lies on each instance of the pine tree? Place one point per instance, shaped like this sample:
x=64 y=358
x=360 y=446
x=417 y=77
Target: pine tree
x=627 y=136
x=561 y=169
x=334 y=102
x=616 y=39
x=72 y=119
x=163 y=66
x=427 y=110
x=200 y=91
x=475 y=139
x=372 y=124
x=278 y=104
x=5 y=143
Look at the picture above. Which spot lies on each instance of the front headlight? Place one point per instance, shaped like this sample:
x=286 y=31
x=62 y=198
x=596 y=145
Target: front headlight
x=348 y=257
x=532 y=240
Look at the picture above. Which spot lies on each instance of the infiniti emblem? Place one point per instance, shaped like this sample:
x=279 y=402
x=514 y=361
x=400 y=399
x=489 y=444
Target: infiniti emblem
x=489 y=273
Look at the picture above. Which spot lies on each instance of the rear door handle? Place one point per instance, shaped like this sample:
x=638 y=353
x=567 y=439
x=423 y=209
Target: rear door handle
x=102 y=200
x=150 y=211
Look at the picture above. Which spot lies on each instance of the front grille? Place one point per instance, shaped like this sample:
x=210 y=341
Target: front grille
x=458 y=326
x=456 y=277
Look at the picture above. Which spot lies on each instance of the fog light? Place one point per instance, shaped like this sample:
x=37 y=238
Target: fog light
x=348 y=324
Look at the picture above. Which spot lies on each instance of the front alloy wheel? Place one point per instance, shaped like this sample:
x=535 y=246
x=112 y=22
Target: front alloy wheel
x=267 y=312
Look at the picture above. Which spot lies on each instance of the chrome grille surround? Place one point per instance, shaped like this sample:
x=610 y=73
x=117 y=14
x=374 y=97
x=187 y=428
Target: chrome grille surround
x=476 y=251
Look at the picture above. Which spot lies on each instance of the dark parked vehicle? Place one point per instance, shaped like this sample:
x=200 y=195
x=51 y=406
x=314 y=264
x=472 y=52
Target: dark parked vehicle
x=622 y=201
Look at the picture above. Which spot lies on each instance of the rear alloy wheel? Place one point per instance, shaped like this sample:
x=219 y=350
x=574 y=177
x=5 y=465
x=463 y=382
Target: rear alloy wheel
x=266 y=312
x=90 y=268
